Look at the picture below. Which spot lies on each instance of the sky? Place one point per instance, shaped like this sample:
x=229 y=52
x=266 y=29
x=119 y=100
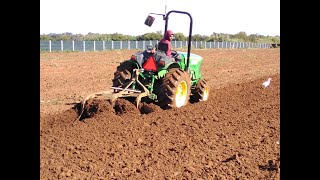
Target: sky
x=127 y=16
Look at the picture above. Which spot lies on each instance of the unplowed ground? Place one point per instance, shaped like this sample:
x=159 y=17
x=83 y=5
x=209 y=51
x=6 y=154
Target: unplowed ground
x=233 y=135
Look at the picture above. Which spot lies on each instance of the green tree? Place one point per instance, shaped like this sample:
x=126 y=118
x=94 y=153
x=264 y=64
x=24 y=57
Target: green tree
x=196 y=37
x=241 y=35
x=77 y=37
x=160 y=32
x=117 y=37
x=180 y=37
x=46 y=37
x=253 y=38
x=63 y=37
x=152 y=36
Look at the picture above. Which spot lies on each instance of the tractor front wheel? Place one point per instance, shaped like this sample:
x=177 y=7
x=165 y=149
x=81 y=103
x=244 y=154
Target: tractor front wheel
x=175 y=89
x=201 y=92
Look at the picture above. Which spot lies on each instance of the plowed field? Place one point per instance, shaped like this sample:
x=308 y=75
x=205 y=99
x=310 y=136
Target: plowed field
x=233 y=135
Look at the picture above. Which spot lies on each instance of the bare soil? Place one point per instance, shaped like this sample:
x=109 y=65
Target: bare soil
x=233 y=135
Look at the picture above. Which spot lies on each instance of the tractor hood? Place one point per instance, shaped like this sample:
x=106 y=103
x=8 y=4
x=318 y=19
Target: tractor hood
x=194 y=59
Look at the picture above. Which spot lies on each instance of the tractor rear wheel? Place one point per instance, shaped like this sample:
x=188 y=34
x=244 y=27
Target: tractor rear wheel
x=201 y=92
x=175 y=89
x=123 y=74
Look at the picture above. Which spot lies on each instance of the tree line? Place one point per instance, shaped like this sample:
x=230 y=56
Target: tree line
x=218 y=37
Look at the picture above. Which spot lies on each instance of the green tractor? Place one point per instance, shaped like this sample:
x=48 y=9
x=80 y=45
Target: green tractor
x=151 y=76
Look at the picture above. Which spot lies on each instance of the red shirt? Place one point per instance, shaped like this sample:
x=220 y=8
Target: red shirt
x=166 y=40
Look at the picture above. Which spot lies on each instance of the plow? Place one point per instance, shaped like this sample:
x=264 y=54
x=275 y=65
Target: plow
x=152 y=76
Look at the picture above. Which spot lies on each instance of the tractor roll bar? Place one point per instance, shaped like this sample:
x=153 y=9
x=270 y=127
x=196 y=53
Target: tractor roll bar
x=166 y=18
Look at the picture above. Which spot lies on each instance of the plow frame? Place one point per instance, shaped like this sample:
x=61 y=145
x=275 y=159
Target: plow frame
x=119 y=92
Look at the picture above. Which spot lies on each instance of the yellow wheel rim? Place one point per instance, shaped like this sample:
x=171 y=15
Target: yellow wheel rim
x=205 y=94
x=181 y=94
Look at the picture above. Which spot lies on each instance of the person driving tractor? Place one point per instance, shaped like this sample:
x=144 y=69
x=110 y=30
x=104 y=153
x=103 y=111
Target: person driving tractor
x=165 y=46
x=168 y=36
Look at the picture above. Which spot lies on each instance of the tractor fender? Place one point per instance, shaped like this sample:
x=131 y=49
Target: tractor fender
x=135 y=63
x=172 y=65
x=163 y=70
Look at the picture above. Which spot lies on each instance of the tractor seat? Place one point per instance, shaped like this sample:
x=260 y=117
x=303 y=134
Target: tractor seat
x=162 y=46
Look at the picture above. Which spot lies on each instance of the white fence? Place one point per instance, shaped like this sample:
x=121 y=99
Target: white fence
x=110 y=45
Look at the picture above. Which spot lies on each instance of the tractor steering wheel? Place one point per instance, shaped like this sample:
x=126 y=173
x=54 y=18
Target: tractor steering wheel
x=174 y=53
